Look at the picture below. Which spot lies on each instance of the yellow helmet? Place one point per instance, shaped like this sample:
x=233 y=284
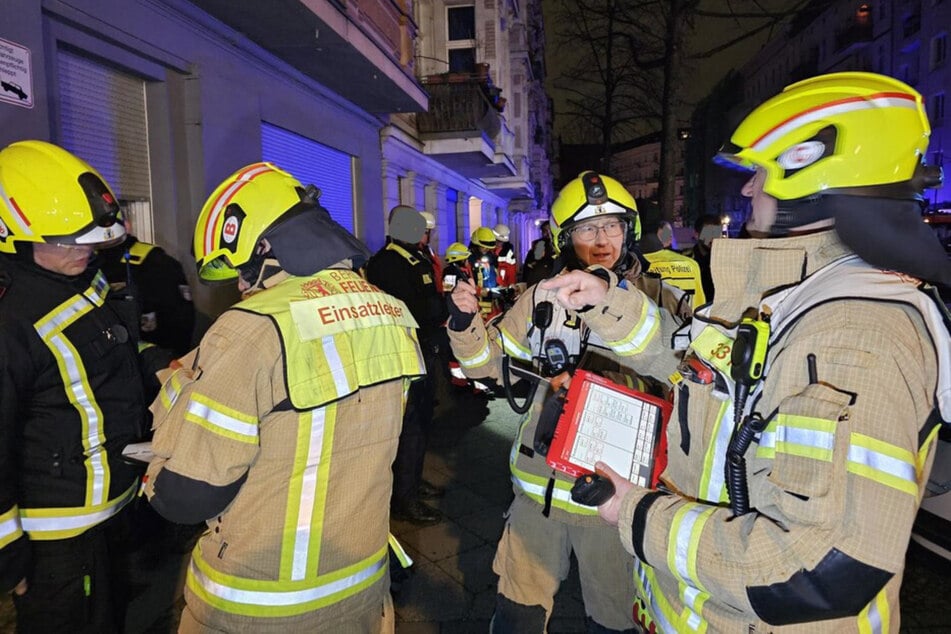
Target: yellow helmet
x=457 y=252
x=589 y=195
x=238 y=214
x=49 y=195
x=484 y=237
x=835 y=133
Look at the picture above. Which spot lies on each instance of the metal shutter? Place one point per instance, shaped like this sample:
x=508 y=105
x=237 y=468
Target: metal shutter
x=103 y=121
x=313 y=163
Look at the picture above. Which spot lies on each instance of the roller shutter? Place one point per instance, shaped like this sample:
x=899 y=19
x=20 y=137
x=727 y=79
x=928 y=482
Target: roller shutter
x=103 y=121
x=313 y=163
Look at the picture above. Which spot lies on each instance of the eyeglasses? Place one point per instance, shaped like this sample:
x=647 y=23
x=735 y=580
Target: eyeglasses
x=588 y=233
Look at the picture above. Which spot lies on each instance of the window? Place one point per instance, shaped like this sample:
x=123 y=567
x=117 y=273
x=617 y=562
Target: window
x=936 y=114
x=939 y=50
x=460 y=40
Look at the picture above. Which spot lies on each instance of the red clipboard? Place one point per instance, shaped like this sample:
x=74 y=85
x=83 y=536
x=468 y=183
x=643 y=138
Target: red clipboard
x=604 y=421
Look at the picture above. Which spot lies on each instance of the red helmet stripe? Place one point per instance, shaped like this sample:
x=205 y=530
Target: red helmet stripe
x=215 y=218
x=877 y=100
x=16 y=208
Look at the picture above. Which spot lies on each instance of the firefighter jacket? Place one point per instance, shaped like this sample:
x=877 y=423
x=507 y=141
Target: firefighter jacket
x=404 y=272
x=70 y=400
x=623 y=335
x=156 y=279
x=279 y=432
x=680 y=271
x=847 y=402
x=508 y=265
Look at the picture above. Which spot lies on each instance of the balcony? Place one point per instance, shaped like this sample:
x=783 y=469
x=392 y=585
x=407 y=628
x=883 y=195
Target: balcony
x=361 y=50
x=464 y=129
x=515 y=187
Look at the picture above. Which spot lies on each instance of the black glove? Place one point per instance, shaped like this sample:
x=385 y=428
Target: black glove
x=458 y=320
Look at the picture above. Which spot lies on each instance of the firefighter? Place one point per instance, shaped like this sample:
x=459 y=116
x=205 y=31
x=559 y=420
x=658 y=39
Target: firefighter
x=505 y=255
x=457 y=267
x=485 y=271
x=830 y=376
x=402 y=270
x=159 y=284
x=596 y=228
x=277 y=430
x=70 y=395
x=674 y=268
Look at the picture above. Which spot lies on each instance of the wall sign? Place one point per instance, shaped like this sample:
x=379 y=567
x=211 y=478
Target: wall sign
x=16 y=75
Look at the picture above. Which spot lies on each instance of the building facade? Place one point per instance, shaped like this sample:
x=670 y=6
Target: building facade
x=905 y=39
x=168 y=97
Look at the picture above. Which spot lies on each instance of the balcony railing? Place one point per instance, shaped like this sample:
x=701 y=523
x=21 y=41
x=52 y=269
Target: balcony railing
x=460 y=103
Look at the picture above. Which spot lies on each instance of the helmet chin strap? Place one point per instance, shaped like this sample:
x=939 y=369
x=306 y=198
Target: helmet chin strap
x=799 y=213
x=259 y=269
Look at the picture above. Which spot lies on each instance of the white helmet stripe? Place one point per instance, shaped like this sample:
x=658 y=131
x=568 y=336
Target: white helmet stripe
x=225 y=198
x=881 y=100
x=590 y=211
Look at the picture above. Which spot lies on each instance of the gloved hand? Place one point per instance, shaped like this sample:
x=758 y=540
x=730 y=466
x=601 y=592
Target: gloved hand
x=463 y=305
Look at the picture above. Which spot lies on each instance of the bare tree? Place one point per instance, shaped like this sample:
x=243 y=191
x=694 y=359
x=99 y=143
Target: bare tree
x=632 y=59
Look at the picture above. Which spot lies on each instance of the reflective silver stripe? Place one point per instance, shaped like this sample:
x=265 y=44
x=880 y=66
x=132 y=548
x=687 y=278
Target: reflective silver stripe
x=285 y=598
x=883 y=463
x=657 y=614
x=305 y=510
x=805 y=437
x=875 y=617
x=477 y=360
x=512 y=348
x=718 y=449
x=94 y=450
x=341 y=384
x=683 y=542
x=72 y=522
x=694 y=620
x=636 y=342
x=216 y=418
x=561 y=495
x=10 y=528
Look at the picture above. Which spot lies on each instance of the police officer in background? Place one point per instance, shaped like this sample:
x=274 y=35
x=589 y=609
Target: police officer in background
x=820 y=426
x=279 y=430
x=70 y=396
x=157 y=281
x=402 y=270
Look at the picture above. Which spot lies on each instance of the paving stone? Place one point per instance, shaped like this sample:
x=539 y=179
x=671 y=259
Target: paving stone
x=431 y=596
x=472 y=569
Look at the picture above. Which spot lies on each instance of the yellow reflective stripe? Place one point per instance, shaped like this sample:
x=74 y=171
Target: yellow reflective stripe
x=924 y=449
x=535 y=488
x=478 y=359
x=693 y=603
x=405 y=560
x=642 y=332
x=307 y=491
x=874 y=617
x=661 y=612
x=714 y=347
x=712 y=482
x=805 y=436
x=222 y=420
x=883 y=463
x=139 y=251
x=171 y=390
x=10 y=528
x=76 y=385
x=61 y=523
x=684 y=537
x=513 y=348
x=268 y=598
